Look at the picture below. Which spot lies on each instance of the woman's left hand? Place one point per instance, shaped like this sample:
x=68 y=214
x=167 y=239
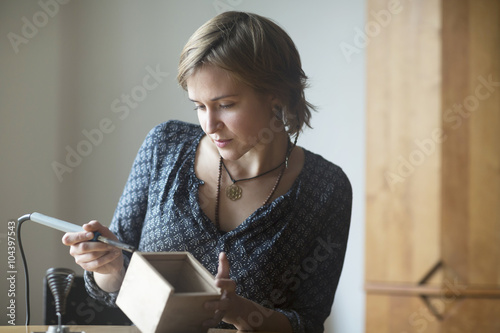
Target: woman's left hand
x=227 y=307
x=234 y=309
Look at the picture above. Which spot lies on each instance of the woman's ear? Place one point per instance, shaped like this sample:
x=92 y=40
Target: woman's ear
x=276 y=104
x=274 y=100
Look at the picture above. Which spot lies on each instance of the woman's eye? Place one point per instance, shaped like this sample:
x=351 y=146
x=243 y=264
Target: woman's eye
x=226 y=106
x=221 y=106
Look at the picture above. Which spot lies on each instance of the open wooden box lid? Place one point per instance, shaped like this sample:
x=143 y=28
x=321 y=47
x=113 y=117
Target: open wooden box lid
x=166 y=291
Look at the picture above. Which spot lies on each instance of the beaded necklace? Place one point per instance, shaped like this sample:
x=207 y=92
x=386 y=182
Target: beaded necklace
x=234 y=192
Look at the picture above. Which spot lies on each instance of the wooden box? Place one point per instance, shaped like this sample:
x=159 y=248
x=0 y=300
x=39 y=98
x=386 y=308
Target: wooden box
x=166 y=291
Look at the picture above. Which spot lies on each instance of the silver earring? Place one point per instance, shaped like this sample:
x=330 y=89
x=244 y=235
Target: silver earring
x=280 y=115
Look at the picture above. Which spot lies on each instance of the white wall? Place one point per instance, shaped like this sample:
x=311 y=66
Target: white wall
x=68 y=74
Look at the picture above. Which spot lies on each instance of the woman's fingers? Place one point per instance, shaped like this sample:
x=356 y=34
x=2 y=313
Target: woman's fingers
x=219 y=307
x=226 y=285
x=94 y=256
x=82 y=248
x=72 y=238
x=94 y=225
x=223 y=269
x=228 y=293
x=94 y=261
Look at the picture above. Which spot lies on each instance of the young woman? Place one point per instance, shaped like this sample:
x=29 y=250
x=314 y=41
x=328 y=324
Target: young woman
x=268 y=218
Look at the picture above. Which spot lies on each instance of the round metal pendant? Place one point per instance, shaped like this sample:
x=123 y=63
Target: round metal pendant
x=233 y=192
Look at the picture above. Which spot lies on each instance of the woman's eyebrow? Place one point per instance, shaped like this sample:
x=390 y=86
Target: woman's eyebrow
x=216 y=98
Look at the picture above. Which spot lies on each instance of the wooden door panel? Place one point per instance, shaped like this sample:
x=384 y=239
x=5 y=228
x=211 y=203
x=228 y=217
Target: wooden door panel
x=433 y=167
x=404 y=314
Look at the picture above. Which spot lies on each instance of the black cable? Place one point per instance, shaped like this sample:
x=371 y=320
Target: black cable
x=26 y=276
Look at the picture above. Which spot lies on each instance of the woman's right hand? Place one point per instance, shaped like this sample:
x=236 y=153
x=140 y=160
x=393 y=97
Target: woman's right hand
x=97 y=257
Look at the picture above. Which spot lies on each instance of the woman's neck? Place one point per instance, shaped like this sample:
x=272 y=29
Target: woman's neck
x=261 y=158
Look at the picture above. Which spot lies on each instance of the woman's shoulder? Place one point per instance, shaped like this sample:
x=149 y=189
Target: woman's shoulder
x=324 y=176
x=326 y=191
x=172 y=136
x=321 y=167
x=175 y=130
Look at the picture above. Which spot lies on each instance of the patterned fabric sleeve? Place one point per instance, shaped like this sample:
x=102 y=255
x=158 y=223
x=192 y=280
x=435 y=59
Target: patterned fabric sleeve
x=317 y=280
x=130 y=212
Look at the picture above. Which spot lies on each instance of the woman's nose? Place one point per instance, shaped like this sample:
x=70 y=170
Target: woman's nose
x=213 y=123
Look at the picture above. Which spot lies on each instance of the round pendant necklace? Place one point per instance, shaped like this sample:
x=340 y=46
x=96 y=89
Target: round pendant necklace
x=234 y=191
x=221 y=163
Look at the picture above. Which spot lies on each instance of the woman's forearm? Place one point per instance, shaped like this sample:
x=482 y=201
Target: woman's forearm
x=110 y=282
x=255 y=317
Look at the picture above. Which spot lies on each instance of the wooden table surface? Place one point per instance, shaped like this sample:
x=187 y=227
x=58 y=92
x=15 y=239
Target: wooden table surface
x=86 y=329
x=90 y=329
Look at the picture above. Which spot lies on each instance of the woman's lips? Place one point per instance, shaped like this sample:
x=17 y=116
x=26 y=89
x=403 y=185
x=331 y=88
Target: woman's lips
x=222 y=143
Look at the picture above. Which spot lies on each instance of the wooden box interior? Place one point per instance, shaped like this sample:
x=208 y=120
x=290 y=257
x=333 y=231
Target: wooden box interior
x=166 y=292
x=182 y=274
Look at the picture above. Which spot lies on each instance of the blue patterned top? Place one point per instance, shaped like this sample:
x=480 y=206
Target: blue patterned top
x=287 y=255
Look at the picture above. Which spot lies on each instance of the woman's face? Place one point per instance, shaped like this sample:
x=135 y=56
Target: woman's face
x=232 y=114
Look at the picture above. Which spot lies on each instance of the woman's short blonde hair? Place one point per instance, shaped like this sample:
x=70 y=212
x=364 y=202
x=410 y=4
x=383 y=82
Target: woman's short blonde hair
x=257 y=52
